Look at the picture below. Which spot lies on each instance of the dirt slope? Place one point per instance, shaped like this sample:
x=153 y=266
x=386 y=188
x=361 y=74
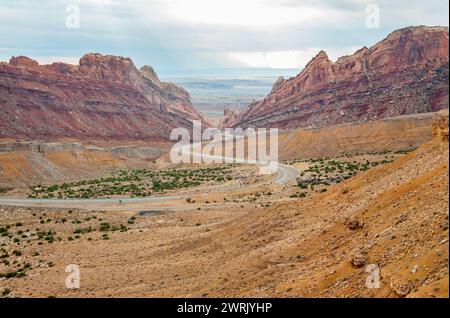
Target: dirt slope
x=25 y=164
x=393 y=134
x=304 y=248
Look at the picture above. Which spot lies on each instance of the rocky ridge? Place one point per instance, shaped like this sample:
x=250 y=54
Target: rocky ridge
x=103 y=97
x=406 y=73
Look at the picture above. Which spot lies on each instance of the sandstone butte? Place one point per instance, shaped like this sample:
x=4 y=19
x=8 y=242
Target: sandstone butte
x=406 y=73
x=104 y=97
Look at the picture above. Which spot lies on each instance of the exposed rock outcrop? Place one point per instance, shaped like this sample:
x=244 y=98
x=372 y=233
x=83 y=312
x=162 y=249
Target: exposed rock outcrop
x=280 y=81
x=440 y=125
x=406 y=73
x=230 y=116
x=103 y=97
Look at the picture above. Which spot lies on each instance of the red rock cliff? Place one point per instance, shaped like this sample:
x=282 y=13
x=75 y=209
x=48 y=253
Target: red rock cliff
x=406 y=73
x=103 y=97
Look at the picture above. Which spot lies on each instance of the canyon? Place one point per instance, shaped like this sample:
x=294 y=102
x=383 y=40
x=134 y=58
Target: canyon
x=86 y=179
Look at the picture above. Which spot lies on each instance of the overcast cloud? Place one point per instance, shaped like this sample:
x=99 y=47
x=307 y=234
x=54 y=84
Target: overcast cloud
x=176 y=36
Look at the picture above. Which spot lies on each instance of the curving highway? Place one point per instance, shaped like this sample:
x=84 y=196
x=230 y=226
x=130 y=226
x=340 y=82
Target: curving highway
x=284 y=175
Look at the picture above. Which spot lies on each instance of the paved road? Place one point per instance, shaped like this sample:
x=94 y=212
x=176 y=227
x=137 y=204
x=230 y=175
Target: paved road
x=284 y=175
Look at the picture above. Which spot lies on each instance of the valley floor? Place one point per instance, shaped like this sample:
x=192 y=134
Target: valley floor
x=393 y=217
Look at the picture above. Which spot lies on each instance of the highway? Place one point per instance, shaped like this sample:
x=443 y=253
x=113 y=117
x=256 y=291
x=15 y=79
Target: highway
x=284 y=175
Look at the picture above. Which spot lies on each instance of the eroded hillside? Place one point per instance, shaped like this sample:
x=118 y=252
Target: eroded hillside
x=23 y=164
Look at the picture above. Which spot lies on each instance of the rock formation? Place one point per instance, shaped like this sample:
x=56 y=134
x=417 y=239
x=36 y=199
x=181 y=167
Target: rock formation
x=104 y=97
x=229 y=117
x=406 y=73
x=440 y=125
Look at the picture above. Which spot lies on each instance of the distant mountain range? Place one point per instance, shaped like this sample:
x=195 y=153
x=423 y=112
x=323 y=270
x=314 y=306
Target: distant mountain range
x=229 y=73
x=406 y=73
x=211 y=95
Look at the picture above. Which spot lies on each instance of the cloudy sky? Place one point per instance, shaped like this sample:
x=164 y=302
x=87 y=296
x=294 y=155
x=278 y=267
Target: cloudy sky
x=182 y=36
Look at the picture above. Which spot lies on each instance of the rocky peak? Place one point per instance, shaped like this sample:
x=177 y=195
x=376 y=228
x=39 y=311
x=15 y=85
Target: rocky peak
x=97 y=59
x=320 y=59
x=317 y=72
x=149 y=73
x=23 y=61
x=108 y=67
x=321 y=55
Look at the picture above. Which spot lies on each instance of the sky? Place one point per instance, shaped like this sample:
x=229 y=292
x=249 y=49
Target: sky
x=180 y=37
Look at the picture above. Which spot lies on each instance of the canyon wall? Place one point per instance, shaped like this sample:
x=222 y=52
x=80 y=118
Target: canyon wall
x=406 y=73
x=103 y=98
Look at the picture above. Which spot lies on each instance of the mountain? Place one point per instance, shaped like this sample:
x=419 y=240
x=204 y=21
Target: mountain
x=104 y=97
x=406 y=73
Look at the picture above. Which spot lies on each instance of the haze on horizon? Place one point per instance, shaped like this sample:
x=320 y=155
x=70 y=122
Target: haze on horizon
x=213 y=37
